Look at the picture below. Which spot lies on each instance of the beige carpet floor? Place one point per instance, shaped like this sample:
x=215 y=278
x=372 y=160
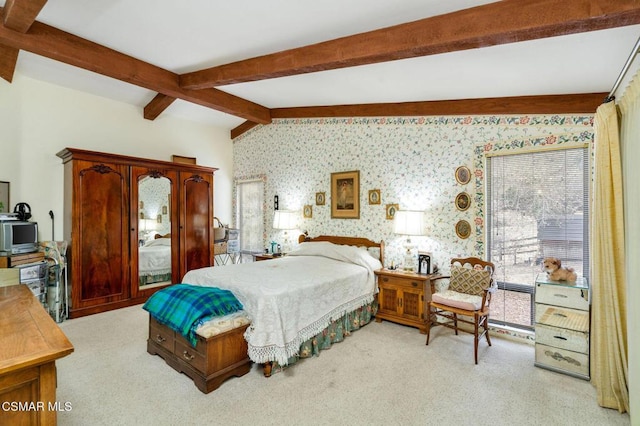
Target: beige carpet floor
x=382 y=375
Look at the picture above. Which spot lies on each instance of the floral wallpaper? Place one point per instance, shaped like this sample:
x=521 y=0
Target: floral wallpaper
x=154 y=203
x=411 y=160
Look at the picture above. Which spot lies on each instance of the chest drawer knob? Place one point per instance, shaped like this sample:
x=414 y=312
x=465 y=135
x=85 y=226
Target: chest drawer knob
x=413 y=283
x=160 y=339
x=186 y=355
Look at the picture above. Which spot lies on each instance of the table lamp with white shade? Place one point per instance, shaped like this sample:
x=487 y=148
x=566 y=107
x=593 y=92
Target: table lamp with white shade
x=409 y=222
x=285 y=220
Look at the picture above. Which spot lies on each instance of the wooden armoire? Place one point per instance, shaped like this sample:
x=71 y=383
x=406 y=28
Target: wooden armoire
x=103 y=220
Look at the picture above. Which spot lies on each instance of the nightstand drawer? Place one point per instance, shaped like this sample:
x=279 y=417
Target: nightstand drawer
x=402 y=282
x=561 y=359
x=557 y=316
x=576 y=341
x=570 y=297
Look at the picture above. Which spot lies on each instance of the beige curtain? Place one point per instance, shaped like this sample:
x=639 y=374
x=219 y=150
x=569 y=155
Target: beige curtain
x=609 y=364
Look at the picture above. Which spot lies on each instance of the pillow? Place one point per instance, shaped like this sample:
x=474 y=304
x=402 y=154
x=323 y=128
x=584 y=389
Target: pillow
x=470 y=281
x=158 y=242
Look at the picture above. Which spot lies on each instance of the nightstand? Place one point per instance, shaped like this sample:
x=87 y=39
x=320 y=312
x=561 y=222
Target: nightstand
x=265 y=256
x=404 y=297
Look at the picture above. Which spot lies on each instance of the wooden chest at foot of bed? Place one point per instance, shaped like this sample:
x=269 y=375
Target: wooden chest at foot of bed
x=211 y=362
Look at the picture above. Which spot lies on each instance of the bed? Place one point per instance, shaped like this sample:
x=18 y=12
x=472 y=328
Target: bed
x=154 y=261
x=303 y=302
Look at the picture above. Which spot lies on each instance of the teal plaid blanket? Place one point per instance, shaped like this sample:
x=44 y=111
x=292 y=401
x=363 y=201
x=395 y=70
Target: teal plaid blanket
x=182 y=307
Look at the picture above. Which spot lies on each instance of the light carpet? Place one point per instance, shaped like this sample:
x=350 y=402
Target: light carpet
x=381 y=374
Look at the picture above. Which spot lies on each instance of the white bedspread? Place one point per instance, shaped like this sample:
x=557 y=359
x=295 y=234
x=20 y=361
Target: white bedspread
x=293 y=298
x=155 y=257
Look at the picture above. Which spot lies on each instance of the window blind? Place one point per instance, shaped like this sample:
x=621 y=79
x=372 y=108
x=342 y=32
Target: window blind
x=537 y=206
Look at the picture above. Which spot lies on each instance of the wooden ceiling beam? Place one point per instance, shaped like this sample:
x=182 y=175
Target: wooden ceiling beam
x=585 y=103
x=8 y=60
x=58 y=45
x=19 y=15
x=243 y=128
x=549 y=104
x=502 y=22
x=157 y=106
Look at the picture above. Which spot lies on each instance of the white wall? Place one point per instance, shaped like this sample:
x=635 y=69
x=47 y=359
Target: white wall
x=39 y=119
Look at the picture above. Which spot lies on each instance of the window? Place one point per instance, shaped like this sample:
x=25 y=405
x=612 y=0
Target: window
x=250 y=216
x=537 y=207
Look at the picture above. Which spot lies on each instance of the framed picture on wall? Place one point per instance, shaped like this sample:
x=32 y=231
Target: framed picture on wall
x=391 y=210
x=374 y=196
x=345 y=195
x=4 y=197
x=307 y=211
x=320 y=198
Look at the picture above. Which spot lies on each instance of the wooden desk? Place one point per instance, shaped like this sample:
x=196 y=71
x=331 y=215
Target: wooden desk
x=30 y=343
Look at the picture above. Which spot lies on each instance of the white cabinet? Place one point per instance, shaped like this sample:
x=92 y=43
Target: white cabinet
x=562 y=326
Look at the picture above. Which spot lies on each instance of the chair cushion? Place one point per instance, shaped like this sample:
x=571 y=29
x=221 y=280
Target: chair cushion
x=452 y=298
x=470 y=281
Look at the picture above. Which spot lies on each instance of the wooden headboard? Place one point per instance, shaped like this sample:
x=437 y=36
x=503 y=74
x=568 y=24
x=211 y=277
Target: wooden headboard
x=348 y=241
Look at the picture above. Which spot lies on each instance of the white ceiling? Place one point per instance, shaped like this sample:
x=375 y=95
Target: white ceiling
x=196 y=34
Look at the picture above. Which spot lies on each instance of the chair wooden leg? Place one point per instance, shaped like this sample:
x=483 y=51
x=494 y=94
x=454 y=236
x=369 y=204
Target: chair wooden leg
x=455 y=323
x=428 y=324
x=475 y=338
x=486 y=329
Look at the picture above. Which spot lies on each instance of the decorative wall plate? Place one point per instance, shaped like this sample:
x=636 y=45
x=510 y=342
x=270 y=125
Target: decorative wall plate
x=463 y=175
x=463 y=201
x=463 y=229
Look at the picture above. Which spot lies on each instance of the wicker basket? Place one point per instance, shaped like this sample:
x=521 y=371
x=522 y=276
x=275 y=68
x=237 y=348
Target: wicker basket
x=220 y=248
x=220 y=231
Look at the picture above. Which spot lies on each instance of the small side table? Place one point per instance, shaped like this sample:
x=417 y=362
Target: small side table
x=404 y=297
x=265 y=256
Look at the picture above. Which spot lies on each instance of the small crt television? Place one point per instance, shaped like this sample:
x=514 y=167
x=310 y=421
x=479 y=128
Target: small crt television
x=18 y=237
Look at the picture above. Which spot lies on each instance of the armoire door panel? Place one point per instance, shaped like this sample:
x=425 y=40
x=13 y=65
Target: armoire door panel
x=196 y=219
x=102 y=229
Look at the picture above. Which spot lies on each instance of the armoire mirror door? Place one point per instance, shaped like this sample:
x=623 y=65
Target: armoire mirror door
x=154 y=252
